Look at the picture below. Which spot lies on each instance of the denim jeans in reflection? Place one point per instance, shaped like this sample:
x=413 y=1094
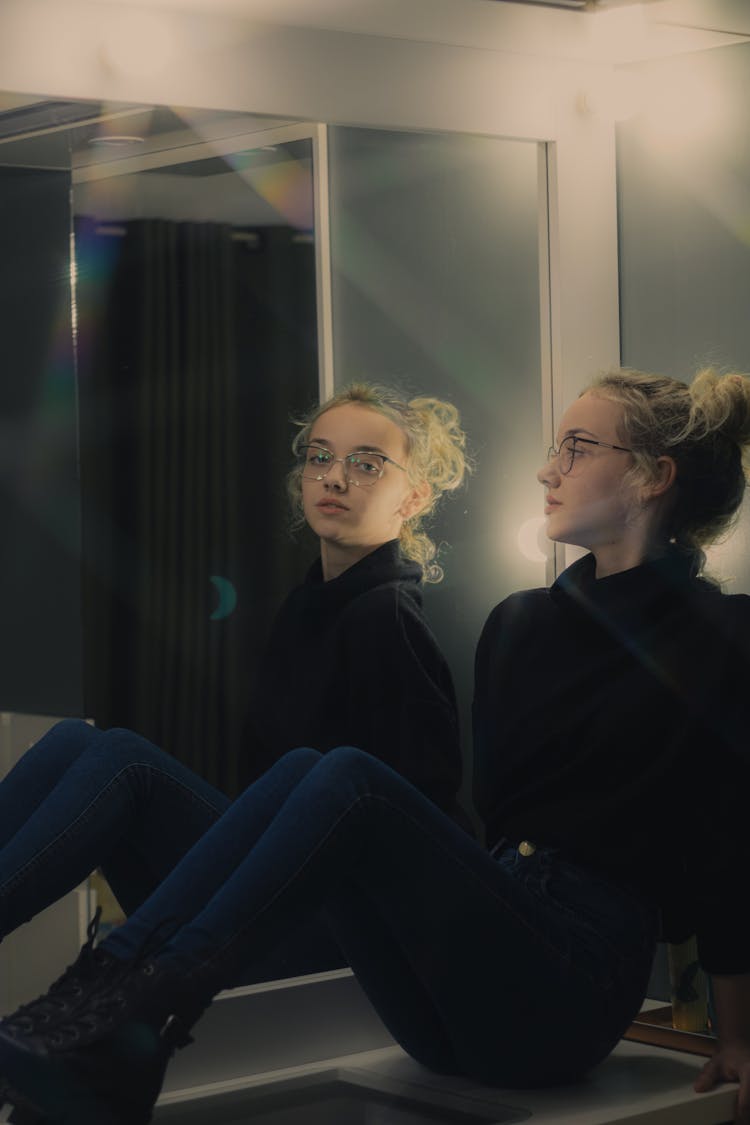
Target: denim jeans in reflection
x=82 y=798
x=514 y=971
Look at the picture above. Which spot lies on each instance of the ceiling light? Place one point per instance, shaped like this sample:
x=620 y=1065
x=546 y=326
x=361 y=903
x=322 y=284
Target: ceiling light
x=116 y=140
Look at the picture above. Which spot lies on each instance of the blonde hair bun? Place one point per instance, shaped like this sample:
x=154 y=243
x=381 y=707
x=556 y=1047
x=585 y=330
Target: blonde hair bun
x=721 y=404
x=705 y=428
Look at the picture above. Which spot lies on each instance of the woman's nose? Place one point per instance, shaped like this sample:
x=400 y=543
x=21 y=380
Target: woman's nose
x=549 y=473
x=336 y=476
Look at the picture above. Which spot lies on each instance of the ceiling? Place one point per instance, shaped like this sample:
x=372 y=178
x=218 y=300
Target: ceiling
x=616 y=32
x=619 y=31
x=460 y=21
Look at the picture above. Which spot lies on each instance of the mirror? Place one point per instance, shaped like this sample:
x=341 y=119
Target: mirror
x=435 y=249
x=435 y=286
x=191 y=310
x=182 y=321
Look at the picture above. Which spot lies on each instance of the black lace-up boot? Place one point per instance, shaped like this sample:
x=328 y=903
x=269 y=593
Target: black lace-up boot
x=99 y=1059
x=62 y=999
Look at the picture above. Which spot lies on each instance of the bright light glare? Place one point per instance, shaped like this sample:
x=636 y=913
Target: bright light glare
x=140 y=44
x=727 y=561
x=73 y=288
x=530 y=537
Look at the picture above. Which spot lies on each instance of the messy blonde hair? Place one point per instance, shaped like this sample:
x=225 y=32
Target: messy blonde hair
x=705 y=428
x=435 y=455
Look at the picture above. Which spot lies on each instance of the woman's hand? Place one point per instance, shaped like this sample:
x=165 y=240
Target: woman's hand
x=731 y=1063
x=731 y=1060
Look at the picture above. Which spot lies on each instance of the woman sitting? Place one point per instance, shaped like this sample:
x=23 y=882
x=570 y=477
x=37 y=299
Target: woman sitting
x=611 y=741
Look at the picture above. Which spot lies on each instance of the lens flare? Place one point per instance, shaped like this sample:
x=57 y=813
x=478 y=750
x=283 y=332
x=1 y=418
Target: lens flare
x=530 y=538
x=285 y=185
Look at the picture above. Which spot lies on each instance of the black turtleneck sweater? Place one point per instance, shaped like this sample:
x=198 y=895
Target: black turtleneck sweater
x=352 y=662
x=611 y=720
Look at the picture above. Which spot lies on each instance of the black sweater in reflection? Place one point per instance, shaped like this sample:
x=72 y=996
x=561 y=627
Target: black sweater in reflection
x=611 y=721
x=352 y=662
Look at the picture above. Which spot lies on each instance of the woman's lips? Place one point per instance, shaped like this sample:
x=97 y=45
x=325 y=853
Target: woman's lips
x=331 y=507
x=550 y=505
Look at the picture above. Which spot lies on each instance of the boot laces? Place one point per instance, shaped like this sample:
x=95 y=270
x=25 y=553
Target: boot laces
x=66 y=992
x=121 y=991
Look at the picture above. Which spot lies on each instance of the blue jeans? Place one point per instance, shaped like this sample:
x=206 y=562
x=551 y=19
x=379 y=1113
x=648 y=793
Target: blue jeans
x=511 y=971
x=82 y=798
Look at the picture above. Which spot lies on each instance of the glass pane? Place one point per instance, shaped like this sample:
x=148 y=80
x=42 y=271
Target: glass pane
x=435 y=258
x=136 y=457
x=197 y=344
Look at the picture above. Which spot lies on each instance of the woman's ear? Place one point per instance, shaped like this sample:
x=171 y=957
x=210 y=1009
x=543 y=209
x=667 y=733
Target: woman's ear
x=662 y=480
x=415 y=500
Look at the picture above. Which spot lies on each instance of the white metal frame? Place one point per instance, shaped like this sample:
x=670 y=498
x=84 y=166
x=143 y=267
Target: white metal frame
x=549 y=342
x=324 y=298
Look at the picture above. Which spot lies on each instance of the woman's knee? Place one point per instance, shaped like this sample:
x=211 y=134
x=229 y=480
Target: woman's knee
x=73 y=743
x=301 y=759
x=349 y=757
x=354 y=771
x=353 y=762
x=126 y=746
x=345 y=763
x=75 y=731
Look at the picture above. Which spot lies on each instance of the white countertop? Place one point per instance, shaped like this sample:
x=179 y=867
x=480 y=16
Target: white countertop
x=313 y=1029
x=637 y=1083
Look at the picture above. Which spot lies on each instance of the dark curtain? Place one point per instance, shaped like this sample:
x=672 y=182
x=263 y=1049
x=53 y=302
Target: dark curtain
x=195 y=346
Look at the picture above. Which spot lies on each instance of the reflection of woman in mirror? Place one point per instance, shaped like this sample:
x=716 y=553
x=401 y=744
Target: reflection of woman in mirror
x=610 y=727
x=350 y=660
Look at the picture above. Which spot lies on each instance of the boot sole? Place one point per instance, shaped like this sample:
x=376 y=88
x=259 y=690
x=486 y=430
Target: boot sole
x=23 y=1113
x=43 y=1092
x=73 y=1112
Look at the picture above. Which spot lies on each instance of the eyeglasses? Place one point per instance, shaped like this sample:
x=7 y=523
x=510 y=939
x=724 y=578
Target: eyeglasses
x=361 y=468
x=568 y=451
